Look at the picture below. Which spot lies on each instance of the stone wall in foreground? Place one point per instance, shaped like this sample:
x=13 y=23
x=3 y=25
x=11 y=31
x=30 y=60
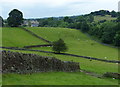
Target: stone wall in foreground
x=14 y=62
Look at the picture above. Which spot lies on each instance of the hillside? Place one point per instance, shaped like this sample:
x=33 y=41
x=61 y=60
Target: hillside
x=16 y=37
x=77 y=42
x=106 y=17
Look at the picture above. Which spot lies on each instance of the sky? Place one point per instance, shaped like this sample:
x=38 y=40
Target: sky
x=55 y=8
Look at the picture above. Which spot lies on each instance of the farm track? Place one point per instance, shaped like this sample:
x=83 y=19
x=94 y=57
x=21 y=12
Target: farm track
x=67 y=54
x=35 y=35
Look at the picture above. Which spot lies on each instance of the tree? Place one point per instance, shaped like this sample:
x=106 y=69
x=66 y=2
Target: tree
x=84 y=27
x=91 y=18
x=113 y=14
x=63 y=24
x=67 y=19
x=59 y=46
x=118 y=18
x=15 y=18
x=109 y=31
x=76 y=25
x=95 y=31
x=1 y=21
x=80 y=19
x=117 y=39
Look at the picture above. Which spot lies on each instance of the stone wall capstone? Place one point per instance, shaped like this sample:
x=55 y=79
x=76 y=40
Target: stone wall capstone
x=15 y=62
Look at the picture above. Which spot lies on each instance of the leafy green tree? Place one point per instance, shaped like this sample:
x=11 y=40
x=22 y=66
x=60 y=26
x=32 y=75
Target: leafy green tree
x=67 y=19
x=91 y=18
x=43 y=22
x=1 y=21
x=15 y=18
x=52 y=22
x=109 y=31
x=59 y=46
x=84 y=27
x=94 y=30
x=117 y=39
x=76 y=25
x=101 y=12
x=113 y=14
x=80 y=19
x=118 y=18
x=107 y=38
x=63 y=24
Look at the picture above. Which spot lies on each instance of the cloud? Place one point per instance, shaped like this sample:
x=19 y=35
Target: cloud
x=50 y=3
x=43 y=8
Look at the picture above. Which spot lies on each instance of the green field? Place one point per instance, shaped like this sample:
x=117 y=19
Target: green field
x=106 y=17
x=16 y=37
x=77 y=42
x=55 y=78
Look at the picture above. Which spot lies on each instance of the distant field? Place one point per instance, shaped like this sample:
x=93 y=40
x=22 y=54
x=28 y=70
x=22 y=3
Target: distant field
x=107 y=17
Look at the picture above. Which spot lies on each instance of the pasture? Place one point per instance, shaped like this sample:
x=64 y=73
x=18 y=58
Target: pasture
x=77 y=42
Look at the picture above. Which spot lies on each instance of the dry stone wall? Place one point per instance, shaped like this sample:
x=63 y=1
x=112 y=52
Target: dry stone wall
x=44 y=45
x=15 y=62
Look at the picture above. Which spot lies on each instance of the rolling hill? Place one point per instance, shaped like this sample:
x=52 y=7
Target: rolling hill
x=77 y=42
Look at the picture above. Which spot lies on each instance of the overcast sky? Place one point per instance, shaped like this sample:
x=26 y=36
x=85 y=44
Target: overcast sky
x=55 y=8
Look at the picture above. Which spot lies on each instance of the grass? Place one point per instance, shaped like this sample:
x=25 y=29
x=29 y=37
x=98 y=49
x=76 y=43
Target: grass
x=0 y=79
x=16 y=37
x=55 y=78
x=80 y=44
x=77 y=42
x=106 y=17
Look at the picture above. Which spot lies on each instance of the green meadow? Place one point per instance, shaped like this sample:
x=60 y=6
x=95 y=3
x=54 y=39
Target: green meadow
x=16 y=37
x=77 y=42
x=106 y=17
x=56 y=78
